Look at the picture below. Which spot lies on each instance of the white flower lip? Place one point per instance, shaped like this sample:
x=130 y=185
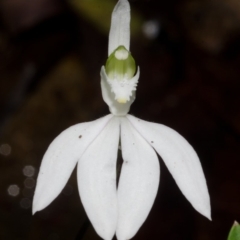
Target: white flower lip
x=113 y=91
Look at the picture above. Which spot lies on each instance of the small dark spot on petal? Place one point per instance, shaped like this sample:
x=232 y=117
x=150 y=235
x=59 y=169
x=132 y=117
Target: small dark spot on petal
x=80 y=136
x=152 y=142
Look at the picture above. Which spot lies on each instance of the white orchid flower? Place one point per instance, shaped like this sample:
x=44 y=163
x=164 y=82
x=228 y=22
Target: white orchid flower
x=94 y=146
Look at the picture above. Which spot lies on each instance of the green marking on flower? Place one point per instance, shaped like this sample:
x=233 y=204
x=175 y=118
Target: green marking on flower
x=120 y=64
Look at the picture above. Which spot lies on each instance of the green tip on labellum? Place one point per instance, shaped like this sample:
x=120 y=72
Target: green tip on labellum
x=120 y=64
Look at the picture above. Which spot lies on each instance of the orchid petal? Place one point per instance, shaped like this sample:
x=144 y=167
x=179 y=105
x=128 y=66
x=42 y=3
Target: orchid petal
x=61 y=158
x=97 y=180
x=138 y=182
x=120 y=26
x=180 y=159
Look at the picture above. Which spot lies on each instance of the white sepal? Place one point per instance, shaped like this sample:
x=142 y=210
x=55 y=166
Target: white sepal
x=61 y=158
x=120 y=26
x=96 y=174
x=181 y=161
x=114 y=90
x=138 y=182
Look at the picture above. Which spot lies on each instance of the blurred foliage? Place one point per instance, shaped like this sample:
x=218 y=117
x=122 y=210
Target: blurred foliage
x=96 y=10
x=234 y=232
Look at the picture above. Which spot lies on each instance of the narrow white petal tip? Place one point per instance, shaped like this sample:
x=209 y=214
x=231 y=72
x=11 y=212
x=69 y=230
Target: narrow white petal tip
x=106 y=234
x=120 y=26
x=201 y=203
x=127 y=232
x=206 y=213
x=209 y=217
x=34 y=210
x=38 y=206
x=121 y=236
x=203 y=210
x=121 y=7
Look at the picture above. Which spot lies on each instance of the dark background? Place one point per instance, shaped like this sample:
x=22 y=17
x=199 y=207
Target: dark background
x=51 y=52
